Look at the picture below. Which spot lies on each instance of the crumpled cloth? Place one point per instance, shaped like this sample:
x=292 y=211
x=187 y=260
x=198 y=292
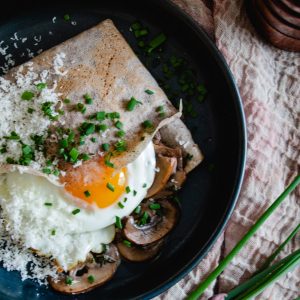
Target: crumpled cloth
x=269 y=83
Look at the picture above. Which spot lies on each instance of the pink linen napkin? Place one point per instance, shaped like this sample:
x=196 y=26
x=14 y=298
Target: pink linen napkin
x=269 y=83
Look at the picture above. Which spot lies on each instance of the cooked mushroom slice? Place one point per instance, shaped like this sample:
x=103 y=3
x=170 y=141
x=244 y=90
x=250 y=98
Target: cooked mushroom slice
x=166 y=167
x=157 y=228
x=161 y=149
x=134 y=253
x=97 y=270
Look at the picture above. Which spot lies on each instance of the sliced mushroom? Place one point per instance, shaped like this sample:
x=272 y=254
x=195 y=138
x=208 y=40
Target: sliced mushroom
x=97 y=270
x=163 y=150
x=135 y=253
x=158 y=227
x=166 y=167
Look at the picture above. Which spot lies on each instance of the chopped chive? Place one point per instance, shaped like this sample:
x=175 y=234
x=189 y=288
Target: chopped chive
x=125 y=199
x=138 y=209
x=144 y=185
x=113 y=115
x=67 y=101
x=81 y=140
x=48 y=163
x=127 y=243
x=81 y=108
x=40 y=86
x=119 y=125
x=48 y=204
x=101 y=127
x=30 y=110
x=69 y=280
x=67 y=17
x=120 y=133
x=91 y=279
x=109 y=163
x=135 y=26
x=156 y=42
x=88 y=99
x=76 y=211
x=110 y=187
x=141 y=44
x=71 y=136
x=154 y=206
x=87 y=128
x=87 y=193
x=46 y=171
x=132 y=104
x=160 y=109
x=149 y=92
x=120 y=146
x=3 y=150
x=56 y=172
x=105 y=147
x=120 y=205
x=74 y=153
x=53 y=231
x=144 y=219
x=140 y=33
x=134 y=193
x=147 y=124
x=27 y=95
x=64 y=143
x=48 y=111
x=200 y=98
x=100 y=116
x=127 y=189
x=85 y=157
x=202 y=89
x=93 y=139
x=10 y=160
x=13 y=136
x=118 y=222
x=189 y=156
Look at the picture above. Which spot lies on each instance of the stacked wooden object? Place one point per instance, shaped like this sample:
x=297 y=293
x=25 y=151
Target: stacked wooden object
x=278 y=21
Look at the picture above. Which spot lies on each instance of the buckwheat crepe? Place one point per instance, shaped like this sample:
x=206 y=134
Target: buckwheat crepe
x=99 y=62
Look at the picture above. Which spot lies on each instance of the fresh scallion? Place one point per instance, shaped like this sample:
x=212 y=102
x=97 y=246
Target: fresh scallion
x=27 y=95
x=76 y=211
x=121 y=205
x=91 y=279
x=222 y=265
x=149 y=92
x=127 y=243
x=118 y=222
x=87 y=193
x=132 y=104
x=110 y=187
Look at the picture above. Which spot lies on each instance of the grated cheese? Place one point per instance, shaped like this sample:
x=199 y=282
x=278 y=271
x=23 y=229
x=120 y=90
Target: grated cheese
x=16 y=257
x=15 y=116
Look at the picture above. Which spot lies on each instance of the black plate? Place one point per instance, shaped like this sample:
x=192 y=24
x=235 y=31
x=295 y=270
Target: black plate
x=211 y=191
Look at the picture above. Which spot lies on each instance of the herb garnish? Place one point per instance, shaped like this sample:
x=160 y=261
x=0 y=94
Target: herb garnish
x=27 y=95
x=110 y=187
x=132 y=104
x=87 y=193
x=76 y=211
x=118 y=222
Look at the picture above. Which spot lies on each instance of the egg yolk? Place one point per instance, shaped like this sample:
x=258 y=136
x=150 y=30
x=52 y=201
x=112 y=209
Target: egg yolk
x=94 y=182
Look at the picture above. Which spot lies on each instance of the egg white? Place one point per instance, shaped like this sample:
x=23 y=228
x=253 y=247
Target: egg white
x=54 y=230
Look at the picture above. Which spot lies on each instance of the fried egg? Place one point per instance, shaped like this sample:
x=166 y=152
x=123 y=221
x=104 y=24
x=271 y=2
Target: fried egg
x=66 y=222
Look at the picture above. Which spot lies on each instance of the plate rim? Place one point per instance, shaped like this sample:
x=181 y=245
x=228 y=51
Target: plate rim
x=217 y=56
x=242 y=151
